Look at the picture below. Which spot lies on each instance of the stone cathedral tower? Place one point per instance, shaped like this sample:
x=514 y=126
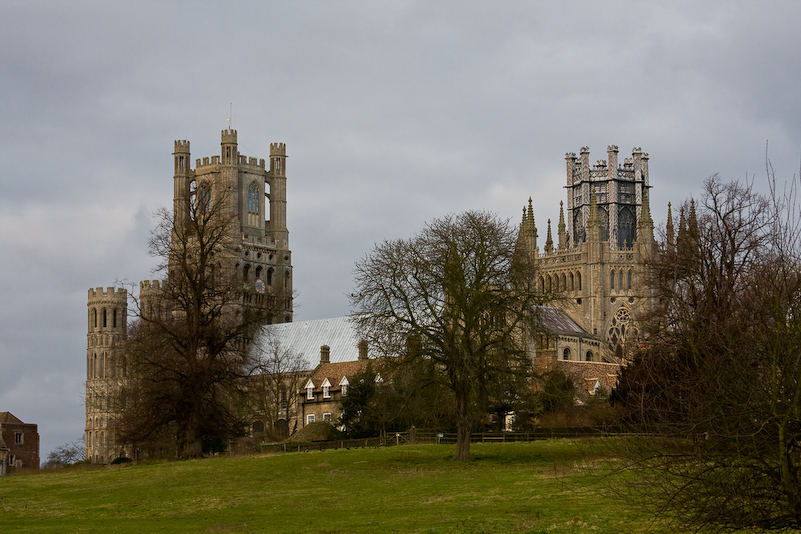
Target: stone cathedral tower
x=257 y=201
x=108 y=326
x=597 y=266
x=255 y=193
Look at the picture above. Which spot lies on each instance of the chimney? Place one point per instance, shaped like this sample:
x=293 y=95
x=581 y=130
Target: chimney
x=362 y=350
x=325 y=354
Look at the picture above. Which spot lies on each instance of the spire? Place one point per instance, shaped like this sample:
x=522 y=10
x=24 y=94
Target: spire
x=671 y=236
x=549 y=239
x=527 y=236
x=561 y=228
x=692 y=222
x=531 y=217
x=681 y=237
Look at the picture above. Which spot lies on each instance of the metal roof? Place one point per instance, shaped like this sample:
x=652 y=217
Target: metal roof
x=306 y=338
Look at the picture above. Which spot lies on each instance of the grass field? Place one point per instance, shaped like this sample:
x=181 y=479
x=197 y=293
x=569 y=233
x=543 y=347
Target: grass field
x=544 y=486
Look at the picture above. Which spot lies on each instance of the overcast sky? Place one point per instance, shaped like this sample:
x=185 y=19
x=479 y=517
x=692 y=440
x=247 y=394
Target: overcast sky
x=393 y=113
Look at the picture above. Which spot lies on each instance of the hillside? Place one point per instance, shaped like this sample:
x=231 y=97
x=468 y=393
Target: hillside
x=534 y=487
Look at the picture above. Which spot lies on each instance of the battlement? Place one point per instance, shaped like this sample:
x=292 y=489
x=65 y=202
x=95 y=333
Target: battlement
x=182 y=146
x=250 y=160
x=229 y=136
x=277 y=149
x=111 y=292
x=580 y=169
x=149 y=284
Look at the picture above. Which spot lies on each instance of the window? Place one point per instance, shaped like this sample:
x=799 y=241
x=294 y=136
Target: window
x=204 y=197
x=612 y=280
x=627 y=226
x=327 y=417
x=309 y=418
x=19 y=437
x=253 y=198
x=626 y=193
x=600 y=193
x=566 y=354
x=588 y=357
x=603 y=217
x=310 y=390
x=326 y=392
x=343 y=385
x=629 y=280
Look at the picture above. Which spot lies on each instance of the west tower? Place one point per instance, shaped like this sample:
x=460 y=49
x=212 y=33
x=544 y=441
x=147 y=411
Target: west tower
x=256 y=196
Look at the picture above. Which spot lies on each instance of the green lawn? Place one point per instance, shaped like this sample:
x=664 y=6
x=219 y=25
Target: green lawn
x=544 y=486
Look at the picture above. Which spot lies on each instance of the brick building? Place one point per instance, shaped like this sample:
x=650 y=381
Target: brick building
x=22 y=444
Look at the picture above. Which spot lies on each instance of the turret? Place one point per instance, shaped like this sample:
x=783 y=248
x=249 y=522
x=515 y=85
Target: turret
x=182 y=178
x=277 y=181
x=228 y=153
x=645 y=226
x=107 y=328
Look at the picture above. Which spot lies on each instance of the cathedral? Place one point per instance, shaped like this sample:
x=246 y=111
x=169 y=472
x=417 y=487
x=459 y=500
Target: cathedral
x=594 y=271
x=257 y=202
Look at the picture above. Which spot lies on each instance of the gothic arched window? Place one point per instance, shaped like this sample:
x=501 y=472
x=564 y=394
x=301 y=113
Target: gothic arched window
x=622 y=329
x=253 y=198
x=204 y=197
x=626 y=227
x=603 y=217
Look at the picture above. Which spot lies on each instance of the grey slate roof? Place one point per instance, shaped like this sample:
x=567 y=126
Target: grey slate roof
x=306 y=338
x=557 y=320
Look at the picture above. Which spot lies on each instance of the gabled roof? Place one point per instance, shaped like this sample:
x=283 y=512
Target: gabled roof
x=8 y=417
x=306 y=338
x=334 y=372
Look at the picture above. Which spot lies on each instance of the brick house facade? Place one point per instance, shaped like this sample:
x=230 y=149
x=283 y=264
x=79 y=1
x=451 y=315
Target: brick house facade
x=22 y=441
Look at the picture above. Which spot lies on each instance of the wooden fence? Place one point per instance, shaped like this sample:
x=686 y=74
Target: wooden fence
x=419 y=437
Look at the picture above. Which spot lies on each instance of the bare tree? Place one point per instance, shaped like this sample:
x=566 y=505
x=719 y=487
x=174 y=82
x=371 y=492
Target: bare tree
x=188 y=353
x=456 y=294
x=718 y=387
x=278 y=374
x=66 y=455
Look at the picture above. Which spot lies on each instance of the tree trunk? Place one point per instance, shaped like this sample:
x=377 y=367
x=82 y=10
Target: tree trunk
x=464 y=429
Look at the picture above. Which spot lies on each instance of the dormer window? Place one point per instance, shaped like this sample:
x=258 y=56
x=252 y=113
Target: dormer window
x=343 y=385
x=326 y=389
x=310 y=390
